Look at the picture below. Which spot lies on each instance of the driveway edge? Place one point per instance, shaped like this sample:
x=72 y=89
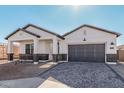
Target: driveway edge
x=49 y=69
x=116 y=72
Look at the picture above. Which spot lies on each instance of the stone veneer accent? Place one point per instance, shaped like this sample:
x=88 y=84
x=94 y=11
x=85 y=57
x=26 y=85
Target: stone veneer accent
x=26 y=56
x=10 y=56
x=43 y=56
x=62 y=57
x=111 y=57
x=59 y=57
x=34 y=57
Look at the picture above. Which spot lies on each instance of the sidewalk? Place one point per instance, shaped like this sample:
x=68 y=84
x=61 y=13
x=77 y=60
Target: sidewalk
x=22 y=83
x=52 y=83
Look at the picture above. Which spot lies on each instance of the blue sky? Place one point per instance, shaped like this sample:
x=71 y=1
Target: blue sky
x=61 y=19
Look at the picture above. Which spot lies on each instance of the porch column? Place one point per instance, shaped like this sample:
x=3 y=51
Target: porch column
x=55 y=50
x=36 y=47
x=10 y=51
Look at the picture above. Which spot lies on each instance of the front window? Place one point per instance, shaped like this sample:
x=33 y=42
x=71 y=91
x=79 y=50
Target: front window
x=29 y=48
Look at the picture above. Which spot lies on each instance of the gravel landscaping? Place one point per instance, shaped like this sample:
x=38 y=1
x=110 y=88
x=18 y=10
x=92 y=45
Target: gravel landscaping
x=81 y=75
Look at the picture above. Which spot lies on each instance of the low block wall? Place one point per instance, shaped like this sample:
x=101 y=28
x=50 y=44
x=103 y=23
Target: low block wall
x=120 y=55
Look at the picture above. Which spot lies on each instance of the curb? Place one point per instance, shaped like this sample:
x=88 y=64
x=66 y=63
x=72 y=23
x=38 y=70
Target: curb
x=116 y=73
x=4 y=86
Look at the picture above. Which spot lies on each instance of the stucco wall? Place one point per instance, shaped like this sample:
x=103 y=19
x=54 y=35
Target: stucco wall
x=45 y=41
x=43 y=34
x=45 y=46
x=21 y=35
x=92 y=36
x=22 y=46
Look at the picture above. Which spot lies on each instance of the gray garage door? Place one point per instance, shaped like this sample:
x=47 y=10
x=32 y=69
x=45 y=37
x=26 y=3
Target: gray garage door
x=86 y=53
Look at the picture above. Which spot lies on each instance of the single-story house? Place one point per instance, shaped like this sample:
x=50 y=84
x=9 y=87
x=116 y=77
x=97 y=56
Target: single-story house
x=120 y=53
x=85 y=43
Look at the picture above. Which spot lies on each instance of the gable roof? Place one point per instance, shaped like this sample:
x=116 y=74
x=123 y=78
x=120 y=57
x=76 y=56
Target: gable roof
x=23 y=31
x=90 y=26
x=62 y=37
x=43 y=30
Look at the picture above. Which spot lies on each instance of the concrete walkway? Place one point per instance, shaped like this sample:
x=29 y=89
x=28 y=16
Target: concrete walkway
x=52 y=83
x=21 y=83
x=35 y=82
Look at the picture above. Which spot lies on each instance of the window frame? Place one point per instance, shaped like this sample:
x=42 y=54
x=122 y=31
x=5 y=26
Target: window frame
x=29 y=48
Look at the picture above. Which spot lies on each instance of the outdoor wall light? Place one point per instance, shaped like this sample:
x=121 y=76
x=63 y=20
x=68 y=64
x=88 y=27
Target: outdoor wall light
x=112 y=43
x=84 y=39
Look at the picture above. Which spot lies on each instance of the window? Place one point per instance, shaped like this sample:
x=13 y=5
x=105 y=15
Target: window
x=29 y=48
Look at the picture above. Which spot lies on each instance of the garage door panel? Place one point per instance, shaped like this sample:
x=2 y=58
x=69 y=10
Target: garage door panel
x=87 y=53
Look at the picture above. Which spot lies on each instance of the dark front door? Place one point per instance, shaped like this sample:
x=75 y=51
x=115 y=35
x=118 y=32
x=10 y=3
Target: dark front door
x=86 y=53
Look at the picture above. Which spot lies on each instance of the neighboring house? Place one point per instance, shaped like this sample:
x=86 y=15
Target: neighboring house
x=3 y=51
x=120 y=53
x=84 y=44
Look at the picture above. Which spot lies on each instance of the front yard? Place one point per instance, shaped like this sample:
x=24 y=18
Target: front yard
x=10 y=71
x=71 y=74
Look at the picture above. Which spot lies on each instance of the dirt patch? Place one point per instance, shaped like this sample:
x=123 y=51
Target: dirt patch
x=22 y=70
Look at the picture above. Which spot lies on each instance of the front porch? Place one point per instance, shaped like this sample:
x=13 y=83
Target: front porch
x=37 y=50
x=36 y=45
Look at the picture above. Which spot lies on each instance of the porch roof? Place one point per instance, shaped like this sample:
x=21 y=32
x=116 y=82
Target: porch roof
x=53 y=33
x=22 y=30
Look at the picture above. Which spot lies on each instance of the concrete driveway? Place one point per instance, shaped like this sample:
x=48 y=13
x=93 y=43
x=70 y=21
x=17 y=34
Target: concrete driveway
x=81 y=75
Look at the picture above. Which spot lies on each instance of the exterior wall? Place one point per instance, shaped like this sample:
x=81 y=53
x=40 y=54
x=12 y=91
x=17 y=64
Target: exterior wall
x=45 y=42
x=22 y=46
x=48 y=42
x=43 y=34
x=20 y=36
x=44 y=50
x=44 y=46
x=92 y=36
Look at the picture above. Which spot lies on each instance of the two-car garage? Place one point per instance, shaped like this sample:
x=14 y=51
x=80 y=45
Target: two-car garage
x=88 y=43
x=86 y=53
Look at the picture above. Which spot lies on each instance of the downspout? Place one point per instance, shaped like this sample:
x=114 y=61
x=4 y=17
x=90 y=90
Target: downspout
x=58 y=51
x=58 y=46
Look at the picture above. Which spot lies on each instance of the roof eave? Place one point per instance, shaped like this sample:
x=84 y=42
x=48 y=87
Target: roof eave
x=21 y=30
x=44 y=30
x=6 y=38
x=85 y=25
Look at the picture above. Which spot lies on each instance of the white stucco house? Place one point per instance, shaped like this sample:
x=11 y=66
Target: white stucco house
x=84 y=44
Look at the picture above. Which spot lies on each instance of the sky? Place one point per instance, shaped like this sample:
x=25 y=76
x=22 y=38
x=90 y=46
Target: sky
x=62 y=19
